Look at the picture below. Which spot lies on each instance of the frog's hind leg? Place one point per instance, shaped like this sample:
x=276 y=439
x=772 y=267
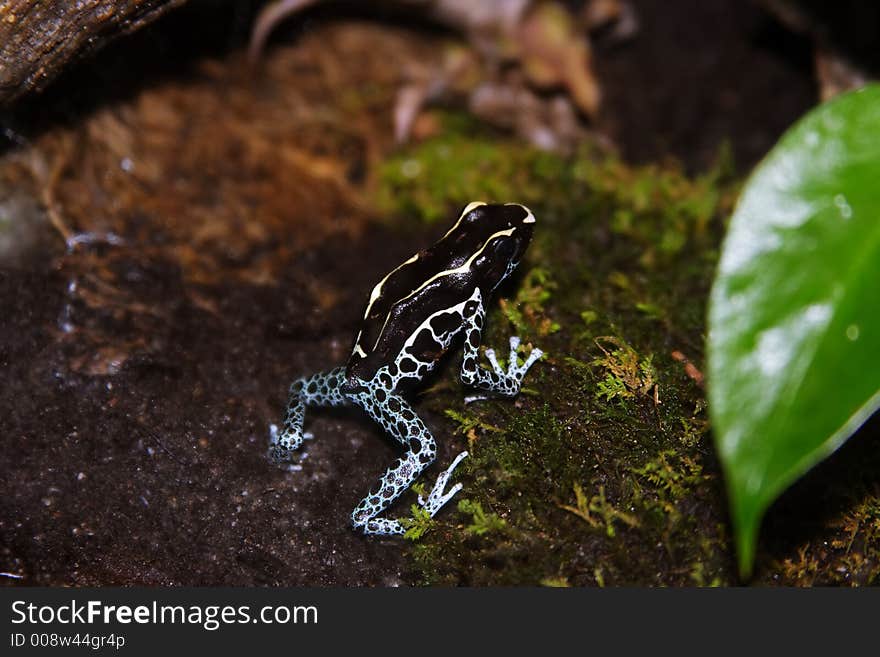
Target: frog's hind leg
x=400 y=421
x=317 y=390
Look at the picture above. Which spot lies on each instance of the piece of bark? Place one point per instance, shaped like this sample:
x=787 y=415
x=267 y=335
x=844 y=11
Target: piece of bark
x=39 y=38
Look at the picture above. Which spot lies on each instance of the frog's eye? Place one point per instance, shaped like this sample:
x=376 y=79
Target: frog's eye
x=505 y=248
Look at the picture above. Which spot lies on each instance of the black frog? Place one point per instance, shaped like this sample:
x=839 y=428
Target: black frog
x=412 y=317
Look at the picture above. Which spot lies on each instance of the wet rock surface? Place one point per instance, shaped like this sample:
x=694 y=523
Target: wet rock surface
x=156 y=473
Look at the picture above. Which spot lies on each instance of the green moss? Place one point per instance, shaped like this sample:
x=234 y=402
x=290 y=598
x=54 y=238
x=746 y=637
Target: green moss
x=671 y=474
x=555 y=582
x=699 y=576
x=657 y=207
x=851 y=557
x=470 y=425
x=418 y=524
x=603 y=476
x=483 y=522
x=430 y=181
x=527 y=313
x=597 y=511
x=626 y=373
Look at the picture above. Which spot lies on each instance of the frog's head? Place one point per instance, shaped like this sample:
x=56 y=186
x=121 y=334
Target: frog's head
x=497 y=237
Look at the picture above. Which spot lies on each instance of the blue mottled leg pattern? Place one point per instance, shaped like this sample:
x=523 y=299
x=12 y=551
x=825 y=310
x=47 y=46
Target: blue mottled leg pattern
x=316 y=390
x=496 y=380
x=399 y=420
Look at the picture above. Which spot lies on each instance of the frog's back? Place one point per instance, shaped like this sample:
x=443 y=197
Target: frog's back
x=429 y=286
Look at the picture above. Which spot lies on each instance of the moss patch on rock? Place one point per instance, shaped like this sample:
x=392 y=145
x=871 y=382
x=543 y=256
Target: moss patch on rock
x=602 y=471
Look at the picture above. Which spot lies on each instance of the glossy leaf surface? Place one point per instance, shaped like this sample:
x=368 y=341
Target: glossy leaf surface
x=794 y=316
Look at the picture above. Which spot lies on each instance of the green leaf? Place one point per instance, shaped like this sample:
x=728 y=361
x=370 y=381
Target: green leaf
x=794 y=322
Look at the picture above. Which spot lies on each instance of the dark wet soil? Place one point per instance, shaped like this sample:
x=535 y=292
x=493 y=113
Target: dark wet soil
x=699 y=74
x=134 y=420
x=157 y=474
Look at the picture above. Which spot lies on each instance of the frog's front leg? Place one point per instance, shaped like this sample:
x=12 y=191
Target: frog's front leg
x=317 y=390
x=496 y=380
x=400 y=421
